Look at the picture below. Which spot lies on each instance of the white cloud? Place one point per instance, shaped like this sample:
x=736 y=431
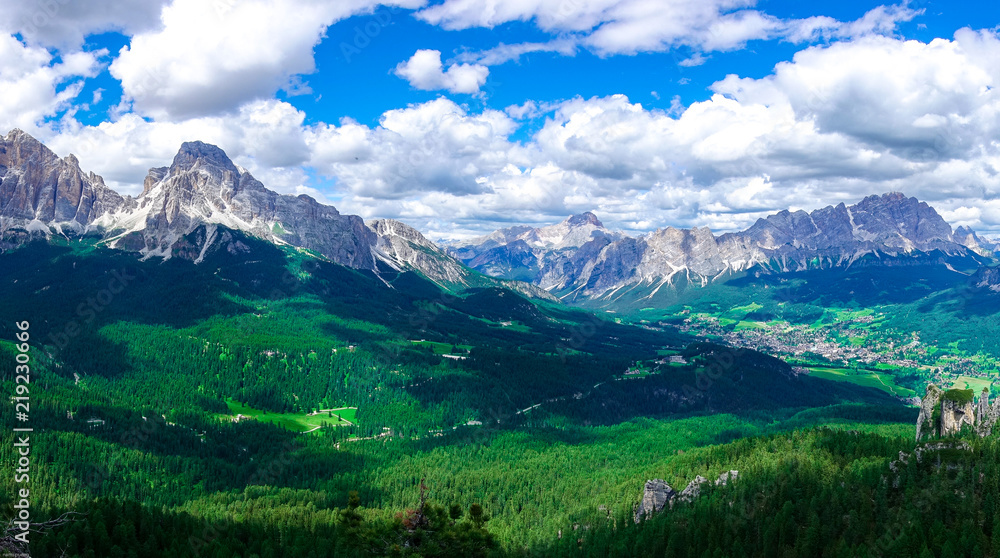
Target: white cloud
x=836 y=123
x=434 y=146
x=212 y=57
x=503 y=53
x=425 y=71
x=266 y=137
x=629 y=26
x=64 y=24
x=35 y=87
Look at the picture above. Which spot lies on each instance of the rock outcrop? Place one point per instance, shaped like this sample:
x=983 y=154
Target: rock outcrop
x=925 y=420
x=724 y=478
x=657 y=494
x=946 y=412
x=968 y=238
x=987 y=278
x=692 y=490
x=987 y=414
x=401 y=245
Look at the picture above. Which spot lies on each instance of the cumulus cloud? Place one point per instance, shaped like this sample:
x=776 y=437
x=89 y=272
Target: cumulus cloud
x=425 y=71
x=836 y=123
x=432 y=147
x=35 y=86
x=611 y=27
x=212 y=57
x=63 y=24
x=266 y=137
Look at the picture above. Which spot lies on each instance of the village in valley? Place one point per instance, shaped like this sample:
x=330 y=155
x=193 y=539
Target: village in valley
x=847 y=345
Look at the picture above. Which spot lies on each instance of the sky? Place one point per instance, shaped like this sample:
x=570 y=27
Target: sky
x=463 y=116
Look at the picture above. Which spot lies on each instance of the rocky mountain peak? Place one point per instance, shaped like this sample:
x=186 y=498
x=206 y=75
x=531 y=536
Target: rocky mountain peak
x=193 y=153
x=392 y=227
x=585 y=218
x=968 y=238
x=908 y=217
x=188 y=210
x=18 y=135
x=579 y=254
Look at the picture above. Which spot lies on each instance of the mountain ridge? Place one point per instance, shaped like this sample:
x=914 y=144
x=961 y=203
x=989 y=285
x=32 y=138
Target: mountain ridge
x=577 y=259
x=885 y=229
x=202 y=191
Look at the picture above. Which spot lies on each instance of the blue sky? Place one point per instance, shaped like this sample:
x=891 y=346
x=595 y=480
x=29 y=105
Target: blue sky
x=649 y=113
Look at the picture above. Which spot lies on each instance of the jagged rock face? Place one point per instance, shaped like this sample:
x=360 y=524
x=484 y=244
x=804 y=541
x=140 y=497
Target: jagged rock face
x=204 y=187
x=403 y=246
x=725 y=477
x=987 y=414
x=968 y=238
x=886 y=227
x=551 y=257
x=692 y=490
x=945 y=413
x=987 y=278
x=926 y=424
x=655 y=496
x=37 y=186
x=955 y=415
x=186 y=208
x=681 y=250
x=615 y=264
x=503 y=260
x=888 y=222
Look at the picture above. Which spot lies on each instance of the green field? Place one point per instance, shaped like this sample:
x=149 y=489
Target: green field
x=296 y=422
x=975 y=384
x=862 y=378
x=442 y=348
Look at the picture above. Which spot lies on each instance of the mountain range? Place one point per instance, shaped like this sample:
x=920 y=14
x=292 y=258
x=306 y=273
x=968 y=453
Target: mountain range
x=184 y=206
x=581 y=259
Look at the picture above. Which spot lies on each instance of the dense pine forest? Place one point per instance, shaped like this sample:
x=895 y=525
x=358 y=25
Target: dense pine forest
x=167 y=415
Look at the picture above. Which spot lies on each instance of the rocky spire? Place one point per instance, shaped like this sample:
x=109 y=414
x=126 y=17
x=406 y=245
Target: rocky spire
x=946 y=412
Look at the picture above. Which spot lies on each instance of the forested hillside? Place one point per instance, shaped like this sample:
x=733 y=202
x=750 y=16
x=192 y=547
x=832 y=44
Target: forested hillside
x=178 y=399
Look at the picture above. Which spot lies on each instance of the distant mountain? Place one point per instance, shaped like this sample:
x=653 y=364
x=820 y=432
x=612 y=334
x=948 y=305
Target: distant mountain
x=968 y=238
x=186 y=207
x=546 y=256
x=890 y=229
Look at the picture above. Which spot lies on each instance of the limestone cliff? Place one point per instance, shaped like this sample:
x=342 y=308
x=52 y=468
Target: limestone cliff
x=655 y=496
x=946 y=412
